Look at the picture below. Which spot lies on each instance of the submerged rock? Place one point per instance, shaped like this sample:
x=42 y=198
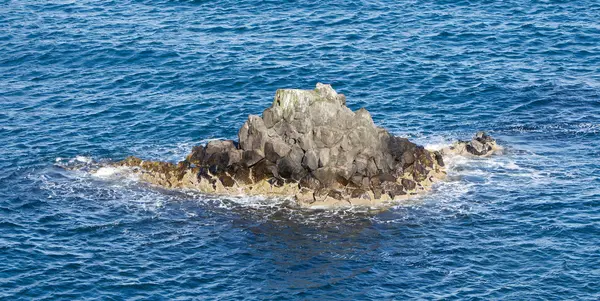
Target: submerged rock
x=311 y=146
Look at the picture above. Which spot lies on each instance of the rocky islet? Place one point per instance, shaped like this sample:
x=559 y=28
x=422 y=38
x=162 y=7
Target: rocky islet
x=311 y=146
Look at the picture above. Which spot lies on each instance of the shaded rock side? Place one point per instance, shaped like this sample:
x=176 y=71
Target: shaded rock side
x=308 y=145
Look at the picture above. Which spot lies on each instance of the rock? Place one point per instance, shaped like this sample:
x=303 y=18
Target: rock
x=371 y=168
x=393 y=189
x=328 y=177
x=310 y=145
x=387 y=178
x=275 y=149
x=262 y=170
x=253 y=134
x=481 y=145
x=323 y=157
x=360 y=162
x=409 y=184
x=219 y=146
x=477 y=148
x=438 y=158
x=310 y=182
x=241 y=174
x=235 y=156
x=251 y=157
x=288 y=168
x=227 y=180
x=296 y=154
x=217 y=155
x=196 y=156
x=269 y=118
x=310 y=160
x=306 y=142
x=360 y=194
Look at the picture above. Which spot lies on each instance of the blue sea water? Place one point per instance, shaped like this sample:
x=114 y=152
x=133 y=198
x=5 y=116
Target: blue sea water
x=95 y=80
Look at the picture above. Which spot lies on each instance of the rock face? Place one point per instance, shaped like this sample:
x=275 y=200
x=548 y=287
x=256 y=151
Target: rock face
x=481 y=145
x=311 y=146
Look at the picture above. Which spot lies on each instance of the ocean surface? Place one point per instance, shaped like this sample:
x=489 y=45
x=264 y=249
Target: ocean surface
x=84 y=81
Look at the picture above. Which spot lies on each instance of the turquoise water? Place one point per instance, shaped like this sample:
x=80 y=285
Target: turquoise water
x=98 y=80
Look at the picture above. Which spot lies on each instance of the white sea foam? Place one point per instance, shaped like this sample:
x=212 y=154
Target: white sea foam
x=105 y=172
x=83 y=159
x=109 y=171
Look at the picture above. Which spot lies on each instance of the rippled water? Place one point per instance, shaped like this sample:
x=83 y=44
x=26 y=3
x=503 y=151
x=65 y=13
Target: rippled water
x=94 y=80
